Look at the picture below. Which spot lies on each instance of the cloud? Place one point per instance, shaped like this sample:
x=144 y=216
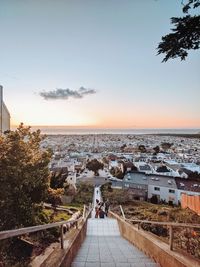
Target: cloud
x=66 y=93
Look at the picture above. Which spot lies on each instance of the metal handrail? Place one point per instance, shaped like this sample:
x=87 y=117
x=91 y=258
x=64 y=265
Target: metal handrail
x=26 y=230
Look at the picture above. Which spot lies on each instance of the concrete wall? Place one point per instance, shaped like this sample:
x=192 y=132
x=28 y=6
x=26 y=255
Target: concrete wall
x=154 y=247
x=191 y=202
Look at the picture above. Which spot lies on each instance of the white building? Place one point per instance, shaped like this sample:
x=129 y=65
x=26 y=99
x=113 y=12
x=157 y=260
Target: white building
x=4 y=114
x=144 y=167
x=71 y=179
x=164 y=188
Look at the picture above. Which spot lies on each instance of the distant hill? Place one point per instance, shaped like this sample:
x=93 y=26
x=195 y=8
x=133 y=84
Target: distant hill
x=180 y=135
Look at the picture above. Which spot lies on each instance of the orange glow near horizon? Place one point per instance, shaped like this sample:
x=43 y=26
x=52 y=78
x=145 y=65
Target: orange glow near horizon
x=112 y=123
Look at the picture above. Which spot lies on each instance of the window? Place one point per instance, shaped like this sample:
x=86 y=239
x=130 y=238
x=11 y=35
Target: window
x=157 y=188
x=171 y=191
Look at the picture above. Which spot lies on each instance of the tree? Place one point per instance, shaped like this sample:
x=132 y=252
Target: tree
x=57 y=178
x=165 y=146
x=94 y=165
x=84 y=193
x=156 y=149
x=116 y=172
x=54 y=196
x=105 y=160
x=129 y=165
x=185 y=34
x=23 y=177
x=123 y=147
x=142 y=148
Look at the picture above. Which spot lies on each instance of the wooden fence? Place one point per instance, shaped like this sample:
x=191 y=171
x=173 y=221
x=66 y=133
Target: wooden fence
x=191 y=202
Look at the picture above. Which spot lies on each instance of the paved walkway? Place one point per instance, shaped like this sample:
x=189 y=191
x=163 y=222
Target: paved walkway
x=104 y=247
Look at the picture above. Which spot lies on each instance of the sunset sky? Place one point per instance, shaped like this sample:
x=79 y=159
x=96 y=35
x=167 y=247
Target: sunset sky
x=101 y=54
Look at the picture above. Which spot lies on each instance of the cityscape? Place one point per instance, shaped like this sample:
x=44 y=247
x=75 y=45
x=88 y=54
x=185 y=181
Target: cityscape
x=99 y=133
x=152 y=165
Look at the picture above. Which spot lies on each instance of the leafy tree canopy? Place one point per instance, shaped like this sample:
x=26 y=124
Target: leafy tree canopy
x=23 y=177
x=185 y=34
x=142 y=148
x=116 y=172
x=57 y=178
x=156 y=149
x=166 y=145
x=94 y=165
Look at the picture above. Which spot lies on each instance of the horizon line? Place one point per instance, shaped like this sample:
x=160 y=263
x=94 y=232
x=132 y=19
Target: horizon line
x=105 y=127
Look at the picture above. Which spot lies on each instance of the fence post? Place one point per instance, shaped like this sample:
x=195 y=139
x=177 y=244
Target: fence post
x=84 y=212
x=61 y=237
x=122 y=211
x=171 y=237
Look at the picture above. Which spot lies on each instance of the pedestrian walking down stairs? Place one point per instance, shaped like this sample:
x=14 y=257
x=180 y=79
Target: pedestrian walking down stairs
x=105 y=247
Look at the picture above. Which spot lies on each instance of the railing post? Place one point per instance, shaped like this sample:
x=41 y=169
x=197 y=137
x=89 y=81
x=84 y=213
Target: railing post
x=61 y=237
x=122 y=211
x=76 y=224
x=171 y=237
x=84 y=212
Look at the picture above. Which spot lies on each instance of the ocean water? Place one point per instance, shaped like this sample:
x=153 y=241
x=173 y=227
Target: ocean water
x=64 y=130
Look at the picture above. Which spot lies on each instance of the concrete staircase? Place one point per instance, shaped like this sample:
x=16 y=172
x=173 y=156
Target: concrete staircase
x=104 y=246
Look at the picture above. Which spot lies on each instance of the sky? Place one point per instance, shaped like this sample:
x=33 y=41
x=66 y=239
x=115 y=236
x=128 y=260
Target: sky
x=94 y=63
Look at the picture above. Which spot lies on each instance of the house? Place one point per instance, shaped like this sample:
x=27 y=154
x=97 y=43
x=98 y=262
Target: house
x=137 y=183
x=184 y=173
x=189 y=187
x=143 y=167
x=71 y=179
x=163 y=187
x=191 y=167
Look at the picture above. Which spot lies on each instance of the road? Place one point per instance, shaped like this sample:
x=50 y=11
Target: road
x=95 y=180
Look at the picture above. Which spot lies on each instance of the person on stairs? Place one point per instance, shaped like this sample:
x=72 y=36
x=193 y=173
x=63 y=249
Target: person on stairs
x=101 y=211
x=97 y=208
x=107 y=205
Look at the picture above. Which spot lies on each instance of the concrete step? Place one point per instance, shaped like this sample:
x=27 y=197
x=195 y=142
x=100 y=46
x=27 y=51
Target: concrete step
x=110 y=251
x=102 y=227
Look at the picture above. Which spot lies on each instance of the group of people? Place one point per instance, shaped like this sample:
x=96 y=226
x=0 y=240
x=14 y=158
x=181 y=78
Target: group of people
x=101 y=209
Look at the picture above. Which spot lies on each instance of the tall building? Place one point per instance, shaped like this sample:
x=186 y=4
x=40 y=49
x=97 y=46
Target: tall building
x=4 y=114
